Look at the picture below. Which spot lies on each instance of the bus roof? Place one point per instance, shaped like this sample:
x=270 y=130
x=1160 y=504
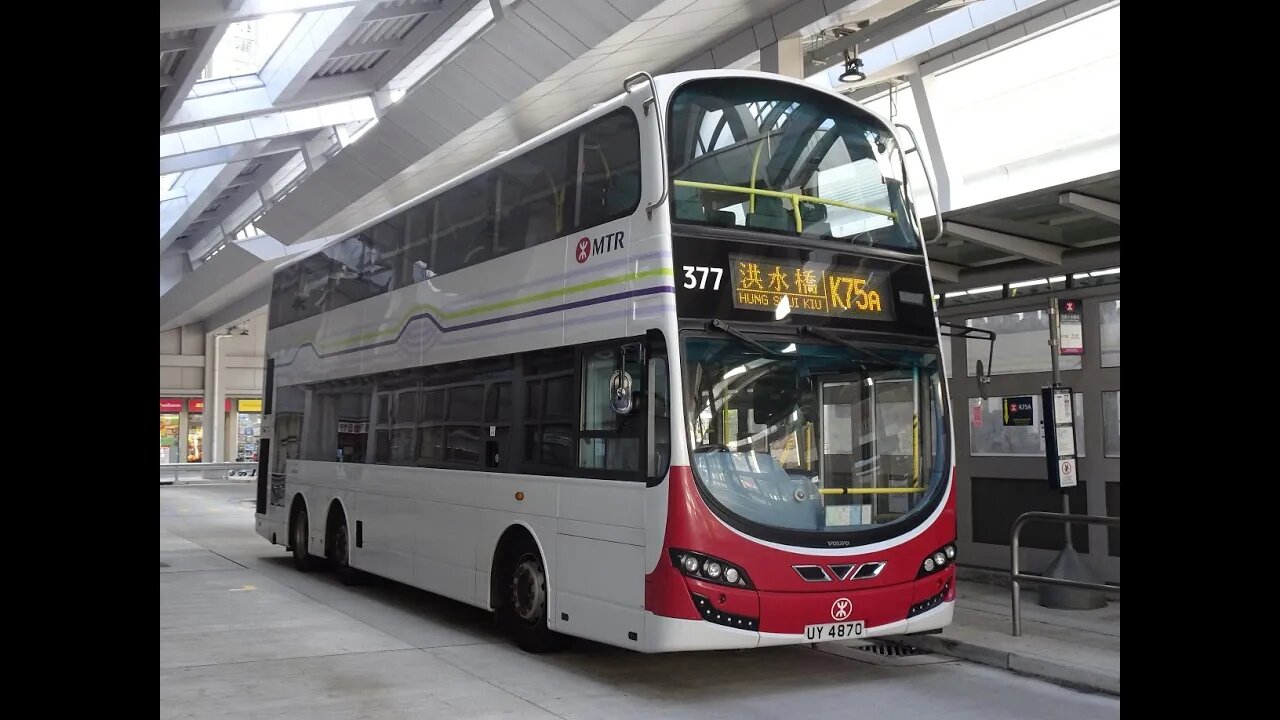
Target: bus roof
x=666 y=84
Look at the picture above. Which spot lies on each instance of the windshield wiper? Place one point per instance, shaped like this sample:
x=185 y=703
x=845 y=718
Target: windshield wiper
x=832 y=337
x=726 y=328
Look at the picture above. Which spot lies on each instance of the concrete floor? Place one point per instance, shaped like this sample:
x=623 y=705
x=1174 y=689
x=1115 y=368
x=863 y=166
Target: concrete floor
x=244 y=635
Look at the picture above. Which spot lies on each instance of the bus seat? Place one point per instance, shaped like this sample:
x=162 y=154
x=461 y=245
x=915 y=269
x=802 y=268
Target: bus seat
x=814 y=217
x=623 y=193
x=688 y=206
x=770 y=215
x=541 y=225
x=722 y=218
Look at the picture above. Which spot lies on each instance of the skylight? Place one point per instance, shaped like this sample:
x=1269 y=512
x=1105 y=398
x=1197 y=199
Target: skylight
x=247 y=46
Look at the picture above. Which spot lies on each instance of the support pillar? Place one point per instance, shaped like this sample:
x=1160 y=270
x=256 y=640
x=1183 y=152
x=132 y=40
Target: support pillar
x=933 y=144
x=785 y=57
x=214 y=394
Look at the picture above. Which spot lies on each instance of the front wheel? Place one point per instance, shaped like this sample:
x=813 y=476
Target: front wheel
x=525 y=611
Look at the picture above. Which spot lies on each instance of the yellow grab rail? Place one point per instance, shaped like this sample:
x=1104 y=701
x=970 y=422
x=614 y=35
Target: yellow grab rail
x=915 y=451
x=755 y=161
x=870 y=491
x=795 y=198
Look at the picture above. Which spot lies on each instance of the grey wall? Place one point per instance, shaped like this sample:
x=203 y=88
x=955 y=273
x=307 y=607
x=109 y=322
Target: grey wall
x=993 y=491
x=182 y=360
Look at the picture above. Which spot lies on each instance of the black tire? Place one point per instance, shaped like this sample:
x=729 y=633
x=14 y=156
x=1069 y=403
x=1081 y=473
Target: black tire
x=339 y=551
x=523 y=613
x=299 y=540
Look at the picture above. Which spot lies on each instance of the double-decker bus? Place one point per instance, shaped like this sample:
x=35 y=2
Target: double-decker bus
x=667 y=377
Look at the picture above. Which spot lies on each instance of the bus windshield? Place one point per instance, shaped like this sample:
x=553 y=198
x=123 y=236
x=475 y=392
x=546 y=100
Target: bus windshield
x=781 y=158
x=815 y=437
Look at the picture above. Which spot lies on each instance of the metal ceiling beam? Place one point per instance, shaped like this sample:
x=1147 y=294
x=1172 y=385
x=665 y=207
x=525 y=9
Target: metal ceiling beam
x=945 y=271
x=1021 y=228
x=187 y=71
x=352 y=50
x=168 y=45
x=881 y=31
x=1041 y=252
x=166 y=81
x=227 y=153
x=333 y=88
x=1105 y=209
x=1073 y=261
x=420 y=39
x=307 y=49
x=392 y=13
x=189 y=14
x=247 y=306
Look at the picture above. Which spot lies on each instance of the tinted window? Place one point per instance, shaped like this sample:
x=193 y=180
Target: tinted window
x=417 y=264
x=609 y=164
x=535 y=188
x=465 y=225
x=284 y=286
x=433 y=405
x=464 y=402
x=574 y=182
x=831 y=170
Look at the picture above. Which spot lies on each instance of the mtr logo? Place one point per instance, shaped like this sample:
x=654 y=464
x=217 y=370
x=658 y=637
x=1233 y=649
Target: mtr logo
x=595 y=246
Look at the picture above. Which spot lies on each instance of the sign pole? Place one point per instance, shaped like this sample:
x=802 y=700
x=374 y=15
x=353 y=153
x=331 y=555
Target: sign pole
x=1058 y=407
x=1055 y=344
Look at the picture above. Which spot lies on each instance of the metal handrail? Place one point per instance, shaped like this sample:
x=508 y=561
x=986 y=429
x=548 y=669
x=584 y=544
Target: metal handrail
x=933 y=195
x=1015 y=576
x=247 y=469
x=657 y=119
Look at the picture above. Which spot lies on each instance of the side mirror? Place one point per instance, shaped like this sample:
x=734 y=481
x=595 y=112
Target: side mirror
x=964 y=331
x=620 y=392
x=621 y=384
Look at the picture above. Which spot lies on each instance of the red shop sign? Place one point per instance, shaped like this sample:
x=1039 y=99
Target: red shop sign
x=196 y=405
x=170 y=405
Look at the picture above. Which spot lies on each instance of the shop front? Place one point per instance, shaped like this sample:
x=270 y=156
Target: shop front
x=184 y=420
x=195 y=429
x=170 y=425
x=248 y=430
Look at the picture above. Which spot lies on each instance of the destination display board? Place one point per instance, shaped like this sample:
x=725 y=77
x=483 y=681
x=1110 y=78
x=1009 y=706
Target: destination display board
x=809 y=288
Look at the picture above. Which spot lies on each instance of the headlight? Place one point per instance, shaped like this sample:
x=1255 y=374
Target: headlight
x=937 y=560
x=714 y=570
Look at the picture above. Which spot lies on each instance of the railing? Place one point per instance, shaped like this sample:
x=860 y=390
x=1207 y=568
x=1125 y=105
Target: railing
x=208 y=471
x=795 y=198
x=1015 y=576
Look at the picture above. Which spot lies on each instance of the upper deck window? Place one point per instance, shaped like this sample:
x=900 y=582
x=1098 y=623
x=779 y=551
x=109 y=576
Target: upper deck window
x=781 y=158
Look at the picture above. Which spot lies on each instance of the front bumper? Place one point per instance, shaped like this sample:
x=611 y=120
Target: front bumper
x=664 y=634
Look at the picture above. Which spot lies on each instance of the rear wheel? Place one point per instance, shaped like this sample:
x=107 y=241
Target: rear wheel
x=524 y=610
x=340 y=554
x=299 y=540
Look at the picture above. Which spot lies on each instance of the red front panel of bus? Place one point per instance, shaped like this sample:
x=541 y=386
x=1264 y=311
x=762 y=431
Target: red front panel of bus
x=781 y=599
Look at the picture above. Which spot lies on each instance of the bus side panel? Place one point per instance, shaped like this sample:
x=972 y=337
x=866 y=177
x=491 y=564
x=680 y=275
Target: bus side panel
x=493 y=524
x=601 y=590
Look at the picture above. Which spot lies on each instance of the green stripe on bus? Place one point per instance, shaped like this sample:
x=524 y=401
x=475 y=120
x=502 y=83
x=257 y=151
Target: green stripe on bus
x=546 y=294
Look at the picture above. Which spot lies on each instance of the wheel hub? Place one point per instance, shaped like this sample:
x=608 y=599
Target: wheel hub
x=340 y=545
x=529 y=590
